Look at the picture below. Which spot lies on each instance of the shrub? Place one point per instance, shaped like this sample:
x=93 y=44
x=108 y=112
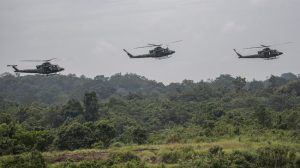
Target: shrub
x=98 y=145
x=117 y=144
x=170 y=157
x=33 y=160
x=276 y=156
x=240 y=159
x=84 y=164
x=122 y=157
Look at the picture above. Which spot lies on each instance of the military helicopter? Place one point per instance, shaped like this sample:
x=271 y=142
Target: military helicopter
x=266 y=53
x=158 y=52
x=46 y=68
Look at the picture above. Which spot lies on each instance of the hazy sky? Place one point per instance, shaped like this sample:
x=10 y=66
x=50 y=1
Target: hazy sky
x=87 y=37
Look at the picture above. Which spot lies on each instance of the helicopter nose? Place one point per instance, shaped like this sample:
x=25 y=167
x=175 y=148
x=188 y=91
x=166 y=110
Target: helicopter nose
x=280 y=53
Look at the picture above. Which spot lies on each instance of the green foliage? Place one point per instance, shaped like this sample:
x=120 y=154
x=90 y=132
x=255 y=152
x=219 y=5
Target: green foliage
x=239 y=83
x=33 y=159
x=263 y=116
x=239 y=159
x=122 y=157
x=91 y=106
x=276 y=156
x=64 y=113
x=216 y=158
x=139 y=135
x=104 y=132
x=98 y=145
x=74 y=136
x=72 y=109
x=170 y=157
x=84 y=164
x=103 y=164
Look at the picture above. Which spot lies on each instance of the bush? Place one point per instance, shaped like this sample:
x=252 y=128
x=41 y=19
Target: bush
x=84 y=164
x=276 y=156
x=139 y=136
x=116 y=144
x=33 y=160
x=240 y=159
x=122 y=157
x=98 y=145
x=215 y=158
x=170 y=157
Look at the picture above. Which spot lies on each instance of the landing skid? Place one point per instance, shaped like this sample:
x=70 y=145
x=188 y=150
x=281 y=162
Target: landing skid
x=161 y=58
x=53 y=74
x=271 y=58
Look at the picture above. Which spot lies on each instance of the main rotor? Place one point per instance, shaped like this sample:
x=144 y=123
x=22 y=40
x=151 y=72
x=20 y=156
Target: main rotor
x=45 y=61
x=268 y=46
x=150 y=45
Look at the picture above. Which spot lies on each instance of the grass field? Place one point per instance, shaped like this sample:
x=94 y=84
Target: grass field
x=156 y=155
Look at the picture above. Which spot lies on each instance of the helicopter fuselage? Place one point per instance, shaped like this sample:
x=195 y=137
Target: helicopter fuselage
x=157 y=52
x=266 y=53
x=45 y=68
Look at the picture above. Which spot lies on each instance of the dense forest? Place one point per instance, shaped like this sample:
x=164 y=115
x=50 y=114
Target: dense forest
x=131 y=121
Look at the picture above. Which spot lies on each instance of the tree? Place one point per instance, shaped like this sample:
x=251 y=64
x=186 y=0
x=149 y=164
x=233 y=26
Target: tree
x=139 y=135
x=276 y=81
x=74 y=136
x=263 y=116
x=256 y=86
x=72 y=109
x=225 y=82
x=104 y=132
x=239 y=83
x=91 y=106
x=289 y=76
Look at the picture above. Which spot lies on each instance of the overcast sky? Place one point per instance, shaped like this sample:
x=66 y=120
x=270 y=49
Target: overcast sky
x=87 y=37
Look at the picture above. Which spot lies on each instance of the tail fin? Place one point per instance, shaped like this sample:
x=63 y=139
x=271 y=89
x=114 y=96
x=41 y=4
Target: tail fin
x=130 y=55
x=14 y=67
x=240 y=56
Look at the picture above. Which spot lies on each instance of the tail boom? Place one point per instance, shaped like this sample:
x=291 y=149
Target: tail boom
x=14 y=67
x=240 y=56
x=130 y=55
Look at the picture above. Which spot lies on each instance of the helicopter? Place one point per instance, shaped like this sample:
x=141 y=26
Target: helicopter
x=158 y=52
x=46 y=68
x=266 y=53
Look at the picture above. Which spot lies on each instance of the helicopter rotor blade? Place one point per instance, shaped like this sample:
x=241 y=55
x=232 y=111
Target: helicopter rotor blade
x=144 y=47
x=32 y=60
x=156 y=45
x=281 y=44
x=267 y=46
x=175 y=42
x=254 y=47
x=48 y=60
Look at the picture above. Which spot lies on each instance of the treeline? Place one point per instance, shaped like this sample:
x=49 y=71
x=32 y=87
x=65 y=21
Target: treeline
x=59 y=89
